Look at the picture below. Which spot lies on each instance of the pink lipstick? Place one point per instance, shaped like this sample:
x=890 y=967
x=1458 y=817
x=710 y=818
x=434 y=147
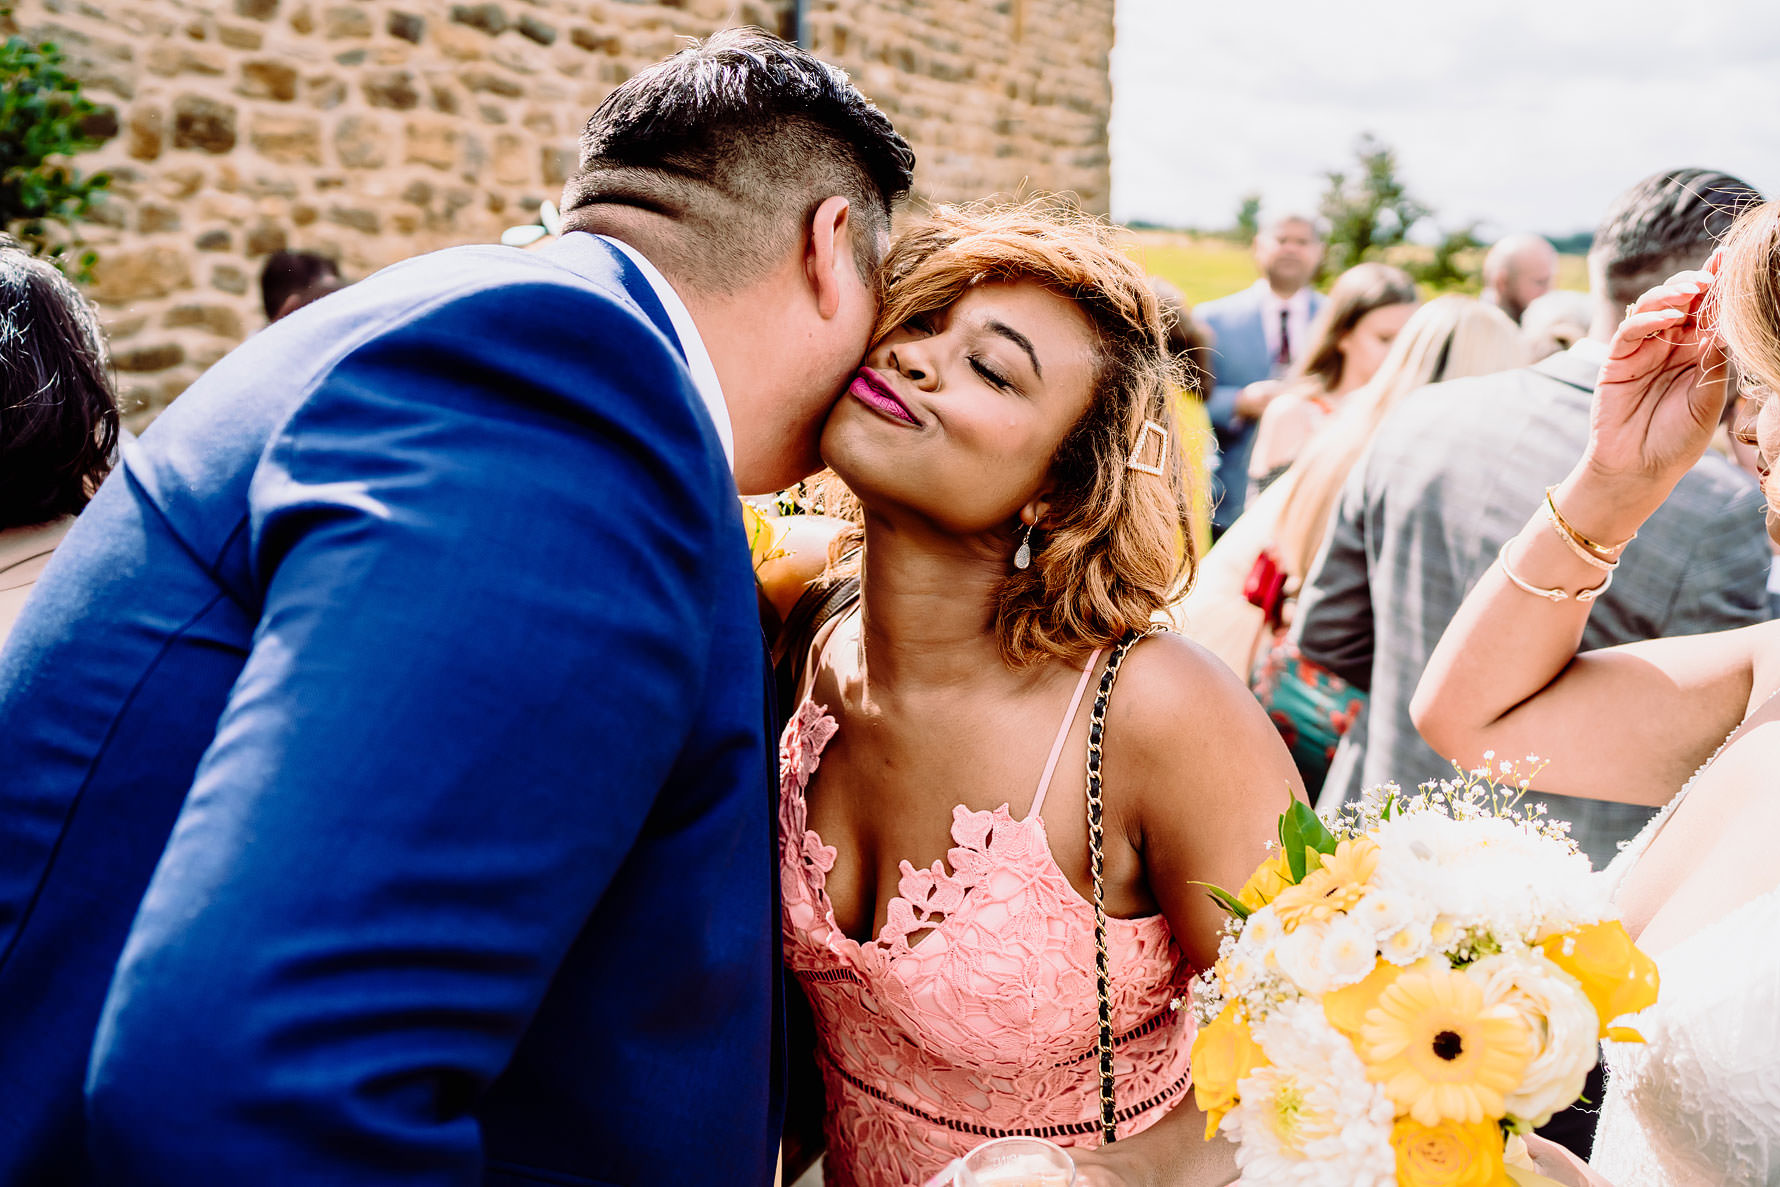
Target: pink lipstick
x=869 y=389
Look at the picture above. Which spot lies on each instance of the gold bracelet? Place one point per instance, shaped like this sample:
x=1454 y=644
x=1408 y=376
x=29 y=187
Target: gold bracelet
x=1576 y=549
x=1550 y=595
x=1599 y=549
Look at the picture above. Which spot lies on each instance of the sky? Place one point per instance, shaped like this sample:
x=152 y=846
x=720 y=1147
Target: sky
x=1516 y=114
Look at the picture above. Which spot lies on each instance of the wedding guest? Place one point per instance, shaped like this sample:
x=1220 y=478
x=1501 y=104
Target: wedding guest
x=1447 y=480
x=1009 y=444
x=1518 y=270
x=1556 y=322
x=290 y=280
x=1246 y=589
x=1698 y=889
x=1191 y=343
x=1365 y=310
x=58 y=417
x=1261 y=333
x=386 y=793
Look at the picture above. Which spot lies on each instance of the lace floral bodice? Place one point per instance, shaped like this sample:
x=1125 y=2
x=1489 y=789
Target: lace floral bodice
x=973 y=1011
x=1699 y=1101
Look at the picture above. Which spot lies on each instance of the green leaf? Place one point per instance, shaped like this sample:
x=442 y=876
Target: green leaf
x=1311 y=829
x=1224 y=899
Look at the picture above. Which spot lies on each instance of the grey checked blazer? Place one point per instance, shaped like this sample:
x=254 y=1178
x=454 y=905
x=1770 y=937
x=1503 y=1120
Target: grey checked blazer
x=1453 y=473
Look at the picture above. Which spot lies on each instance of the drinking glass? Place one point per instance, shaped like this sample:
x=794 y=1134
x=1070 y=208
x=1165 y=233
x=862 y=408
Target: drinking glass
x=1016 y=1162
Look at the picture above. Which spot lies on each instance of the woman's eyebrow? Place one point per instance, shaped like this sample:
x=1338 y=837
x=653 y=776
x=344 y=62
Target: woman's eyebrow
x=1018 y=339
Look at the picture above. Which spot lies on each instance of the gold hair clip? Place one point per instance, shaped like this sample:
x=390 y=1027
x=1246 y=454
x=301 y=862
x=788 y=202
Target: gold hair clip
x=1136 y=462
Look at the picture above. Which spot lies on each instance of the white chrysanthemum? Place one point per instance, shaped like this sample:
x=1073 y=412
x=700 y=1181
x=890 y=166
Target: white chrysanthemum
x=1563 y=1025
x=1311 y=1117
x=1301 y=958
x=1261 y=934
x=1383 y=910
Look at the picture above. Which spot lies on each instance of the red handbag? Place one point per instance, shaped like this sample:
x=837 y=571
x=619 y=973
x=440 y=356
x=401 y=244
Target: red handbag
x=1265 y=586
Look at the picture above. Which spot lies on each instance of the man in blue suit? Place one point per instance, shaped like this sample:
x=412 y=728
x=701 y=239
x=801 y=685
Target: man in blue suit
x=1261 y=331
x=384 y=788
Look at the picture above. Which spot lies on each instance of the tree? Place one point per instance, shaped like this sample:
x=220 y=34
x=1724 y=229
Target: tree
x=1368 y=210
x=1248 y=219
x=44 y=120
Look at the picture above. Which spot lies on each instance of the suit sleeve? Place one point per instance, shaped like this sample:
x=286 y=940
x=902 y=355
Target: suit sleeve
x=485 y=567
x=1334 y=626
x=1724 y=583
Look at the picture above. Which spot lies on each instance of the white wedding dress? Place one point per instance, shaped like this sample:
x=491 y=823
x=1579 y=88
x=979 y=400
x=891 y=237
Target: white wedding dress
x=1699 y=1101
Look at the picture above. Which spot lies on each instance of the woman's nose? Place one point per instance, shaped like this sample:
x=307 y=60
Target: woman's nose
x=915 y=365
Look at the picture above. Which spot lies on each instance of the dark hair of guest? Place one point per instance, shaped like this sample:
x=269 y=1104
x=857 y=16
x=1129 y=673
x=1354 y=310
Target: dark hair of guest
x=738 y=138
x=288 y=273
x=1664 y=224
x=58 y=410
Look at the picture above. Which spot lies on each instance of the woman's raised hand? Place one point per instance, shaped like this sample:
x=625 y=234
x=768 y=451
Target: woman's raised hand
x=1660 y=396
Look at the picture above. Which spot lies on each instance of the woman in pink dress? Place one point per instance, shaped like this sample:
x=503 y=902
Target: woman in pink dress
x=1022 y=512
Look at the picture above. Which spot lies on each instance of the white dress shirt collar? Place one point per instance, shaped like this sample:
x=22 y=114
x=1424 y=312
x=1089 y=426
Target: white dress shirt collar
x=698 y=359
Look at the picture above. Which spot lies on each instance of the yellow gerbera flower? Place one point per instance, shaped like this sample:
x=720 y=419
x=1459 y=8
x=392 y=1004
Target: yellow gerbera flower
x=1346 y=1008
x=1273 y=876
x=1440 y=1051
x=1334 y=886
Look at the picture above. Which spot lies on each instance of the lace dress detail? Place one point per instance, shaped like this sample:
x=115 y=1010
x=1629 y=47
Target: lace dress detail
x=1699 y=1101
x=973 y=1012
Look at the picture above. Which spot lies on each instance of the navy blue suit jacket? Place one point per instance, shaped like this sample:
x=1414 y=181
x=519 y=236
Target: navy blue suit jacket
x=384 y=794
x=1240 y=358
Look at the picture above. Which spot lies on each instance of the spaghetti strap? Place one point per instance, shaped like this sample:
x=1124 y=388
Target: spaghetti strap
x=1044 y=782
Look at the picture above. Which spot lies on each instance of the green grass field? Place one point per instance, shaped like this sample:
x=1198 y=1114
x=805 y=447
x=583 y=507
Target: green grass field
x=1203 y=267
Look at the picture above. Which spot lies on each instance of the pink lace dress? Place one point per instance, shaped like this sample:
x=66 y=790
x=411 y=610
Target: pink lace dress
x=985 y=1025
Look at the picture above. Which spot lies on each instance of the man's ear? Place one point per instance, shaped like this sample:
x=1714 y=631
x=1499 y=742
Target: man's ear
x=830 y=249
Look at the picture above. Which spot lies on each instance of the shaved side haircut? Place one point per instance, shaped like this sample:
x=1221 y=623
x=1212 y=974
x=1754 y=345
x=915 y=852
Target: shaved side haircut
x=738 y=139
x=1665 y=223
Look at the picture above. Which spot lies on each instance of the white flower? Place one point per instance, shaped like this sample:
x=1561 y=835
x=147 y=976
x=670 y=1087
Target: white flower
x=1563 y=1025
x=1311 y=1117
x=1301 y=957
x=1260 y=934
x=1408 y=943
x=1384 y=910
x=1349 y=951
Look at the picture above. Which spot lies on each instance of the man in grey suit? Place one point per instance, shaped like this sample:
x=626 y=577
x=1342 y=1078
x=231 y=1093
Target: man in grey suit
x=1457 y=468
x=1261 y=331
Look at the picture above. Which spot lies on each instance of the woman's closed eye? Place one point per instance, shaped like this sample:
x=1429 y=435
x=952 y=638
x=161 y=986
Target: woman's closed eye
x=990 y=374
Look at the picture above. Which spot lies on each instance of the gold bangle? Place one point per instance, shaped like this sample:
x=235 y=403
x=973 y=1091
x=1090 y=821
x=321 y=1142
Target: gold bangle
x=1600 y=549
x=1576 y=549
x=1550 y=595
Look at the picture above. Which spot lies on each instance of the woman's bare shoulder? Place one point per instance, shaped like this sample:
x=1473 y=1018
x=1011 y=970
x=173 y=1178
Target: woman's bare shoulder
x=797 y=556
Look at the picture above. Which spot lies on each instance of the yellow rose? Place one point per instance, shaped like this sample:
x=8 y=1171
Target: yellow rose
x=1273 y=876
x=1616 y=976
x=1224 y=1053
x=1450 y=1154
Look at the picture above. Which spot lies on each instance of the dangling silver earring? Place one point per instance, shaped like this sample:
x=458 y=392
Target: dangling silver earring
x=1023 y=554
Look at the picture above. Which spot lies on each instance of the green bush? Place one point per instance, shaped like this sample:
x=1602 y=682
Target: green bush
x=44 y=120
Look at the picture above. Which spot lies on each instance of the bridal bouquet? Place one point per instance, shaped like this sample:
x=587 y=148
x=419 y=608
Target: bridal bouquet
x=1397 y=999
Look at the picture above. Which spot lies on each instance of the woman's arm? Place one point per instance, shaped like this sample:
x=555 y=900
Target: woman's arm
x=1628 y=723
x=1201 y=778
x=797 y=557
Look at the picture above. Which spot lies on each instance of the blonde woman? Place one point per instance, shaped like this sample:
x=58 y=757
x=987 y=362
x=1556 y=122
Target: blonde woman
x=1008 y=441
x=1699 y=888
x=1368 y=306
x=1249 y=581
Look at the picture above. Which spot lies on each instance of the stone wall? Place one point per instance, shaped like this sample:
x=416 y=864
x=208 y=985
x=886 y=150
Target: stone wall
x=373 y=131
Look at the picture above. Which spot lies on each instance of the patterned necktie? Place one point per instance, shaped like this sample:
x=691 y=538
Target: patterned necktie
x=1285 y=339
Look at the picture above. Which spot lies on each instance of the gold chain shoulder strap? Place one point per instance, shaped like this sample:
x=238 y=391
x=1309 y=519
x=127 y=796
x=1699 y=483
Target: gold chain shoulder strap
x=1096 y=854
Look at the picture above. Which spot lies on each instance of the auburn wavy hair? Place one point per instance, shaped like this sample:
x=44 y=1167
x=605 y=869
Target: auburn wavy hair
x=1115 y=546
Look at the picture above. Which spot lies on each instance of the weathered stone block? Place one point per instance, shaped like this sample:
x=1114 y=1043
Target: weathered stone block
x=360 y=142
x=433 y=142
x=344 y=21
x=491 y=82
x=352 y=57
x=157 y=357
x=593 y=41
x=266 y=238
x=512 y=160
x=221 y=320
x=135 y=275
x=325 y=92
x=240 y=36
x=393 y=89
x=228 y=279
x=153 y=216
x=407 y=26
x=303 y=20
x=557 y=165
x=101 y=124
x=490 y=18
x=258 y=10
x=180 y=182
x=267 y=79
x=203 y=124
x=538 y=30
x=171 y=58
x=287 y=139
x=492 y=113
x=358 y=218
x=302 y=214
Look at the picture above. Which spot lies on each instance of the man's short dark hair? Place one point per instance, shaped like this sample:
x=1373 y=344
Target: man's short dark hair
x=740 y=138
x=1666 y=223
x=58 y=410
x=289 y=273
